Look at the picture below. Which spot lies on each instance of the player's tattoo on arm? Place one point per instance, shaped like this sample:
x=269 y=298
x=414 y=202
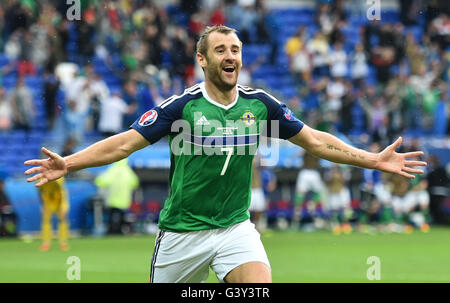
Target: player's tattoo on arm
x=329 y=146
x=348 y=153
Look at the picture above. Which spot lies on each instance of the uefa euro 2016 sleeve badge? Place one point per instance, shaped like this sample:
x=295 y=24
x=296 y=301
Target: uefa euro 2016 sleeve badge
x=248 y=118
x=148 y=118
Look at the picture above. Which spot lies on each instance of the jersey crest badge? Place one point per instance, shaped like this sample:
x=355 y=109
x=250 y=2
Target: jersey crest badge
x=248 y=118
x=148 y=118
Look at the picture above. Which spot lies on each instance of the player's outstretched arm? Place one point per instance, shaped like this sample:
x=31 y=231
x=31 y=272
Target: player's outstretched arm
x=327 y=146
x=104 y=152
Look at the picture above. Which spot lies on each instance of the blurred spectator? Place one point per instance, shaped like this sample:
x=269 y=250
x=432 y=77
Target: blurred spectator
x=55 y=201
x=349 y=103
x=8 y=218
x=183 y=55
x=383 y=59
x=430 y=98
x=26 y=65
x=415 y=55
x=112 y=109
x=324 y=17
x=376 y=198
x=98 y=91
x=78 y=104
x=267 y=29
x=442 y=115
x=17 y=17
x=197 y=22
x=440 y=30
x=119 y=182
x=309 y=191
x=438 y=179
x=338 y=61
x=247 y=20
x=86 y=30
x=338 y=199
x=6 y=113
x=377 y=110
x=258 y=202
x=359 y=66
x=333 y=103
x=146 y=97
x=22 y=105
x=337 y=34
x=410 y=11
x=298 y=56
x=217 y=14
x=399 y=188
x=417 y=199
x=68 y=147
x=51 y=88
x=319 y=48
x=130 y=98
x=12 y=47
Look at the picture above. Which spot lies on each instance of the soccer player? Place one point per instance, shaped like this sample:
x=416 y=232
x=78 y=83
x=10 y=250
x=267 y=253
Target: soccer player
x=258 y=199
x=54 y=202
x=205 y=220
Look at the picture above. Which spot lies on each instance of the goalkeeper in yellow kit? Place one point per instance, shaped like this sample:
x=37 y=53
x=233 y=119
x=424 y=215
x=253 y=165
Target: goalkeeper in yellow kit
x=54 y=202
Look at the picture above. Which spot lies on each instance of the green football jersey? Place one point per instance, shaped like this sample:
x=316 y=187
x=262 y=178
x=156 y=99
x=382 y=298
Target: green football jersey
x=212 y=149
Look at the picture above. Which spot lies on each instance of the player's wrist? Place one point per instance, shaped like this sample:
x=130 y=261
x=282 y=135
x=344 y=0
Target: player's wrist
x=373 y=160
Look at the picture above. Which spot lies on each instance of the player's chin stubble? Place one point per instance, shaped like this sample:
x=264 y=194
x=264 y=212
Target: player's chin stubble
x=220 y=81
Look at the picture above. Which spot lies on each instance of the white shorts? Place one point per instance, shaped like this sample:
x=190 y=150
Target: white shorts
x=340 y=200
x=186 y=257
x=382 y=194
x=416 y=198
x=309 y=180
x=258 y=201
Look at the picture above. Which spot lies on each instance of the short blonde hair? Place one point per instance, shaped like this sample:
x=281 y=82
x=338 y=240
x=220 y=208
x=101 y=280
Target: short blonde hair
x=202 y=43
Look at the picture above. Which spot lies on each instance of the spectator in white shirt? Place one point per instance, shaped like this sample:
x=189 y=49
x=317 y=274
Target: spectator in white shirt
x=359 y=67
x=6 y=115
x=338 y=61
x=112 y=110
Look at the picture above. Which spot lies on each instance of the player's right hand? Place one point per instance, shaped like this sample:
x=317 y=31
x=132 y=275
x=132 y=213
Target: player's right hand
x=48 y=169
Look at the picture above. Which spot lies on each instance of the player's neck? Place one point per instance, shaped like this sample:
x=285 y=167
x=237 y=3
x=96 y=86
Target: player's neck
x=224 y=97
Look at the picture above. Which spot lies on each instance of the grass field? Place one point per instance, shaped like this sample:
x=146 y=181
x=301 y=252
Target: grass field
x=294 y=256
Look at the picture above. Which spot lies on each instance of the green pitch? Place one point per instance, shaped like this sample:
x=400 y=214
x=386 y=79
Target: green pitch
x=295 y=257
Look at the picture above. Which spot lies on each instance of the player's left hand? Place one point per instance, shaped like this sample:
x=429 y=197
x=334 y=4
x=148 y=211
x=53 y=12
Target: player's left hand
x=391 y=161
x=48 y=169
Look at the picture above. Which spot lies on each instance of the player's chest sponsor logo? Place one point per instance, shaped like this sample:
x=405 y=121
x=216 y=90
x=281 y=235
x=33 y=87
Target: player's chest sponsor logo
x=248 y=118
x=227 y=131
x=148 y=118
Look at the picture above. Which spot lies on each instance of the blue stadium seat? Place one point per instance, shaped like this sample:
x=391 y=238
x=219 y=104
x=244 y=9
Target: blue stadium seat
x=9 y=81
x=390 y=16
x=3 y=60
x=289 y=92
x=34 y=82
x=417 y=32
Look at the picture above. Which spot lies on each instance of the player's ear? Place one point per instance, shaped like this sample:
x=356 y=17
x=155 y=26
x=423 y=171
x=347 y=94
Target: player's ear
x=201 y=59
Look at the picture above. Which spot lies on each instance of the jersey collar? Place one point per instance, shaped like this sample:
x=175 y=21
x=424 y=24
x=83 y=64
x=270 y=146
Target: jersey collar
x=210 y=100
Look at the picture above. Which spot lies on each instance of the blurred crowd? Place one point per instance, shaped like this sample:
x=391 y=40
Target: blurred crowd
x=125 y=56
x=121 y=58
x=382 y=79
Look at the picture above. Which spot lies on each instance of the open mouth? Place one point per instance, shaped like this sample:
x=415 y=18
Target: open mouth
x=229 y=69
